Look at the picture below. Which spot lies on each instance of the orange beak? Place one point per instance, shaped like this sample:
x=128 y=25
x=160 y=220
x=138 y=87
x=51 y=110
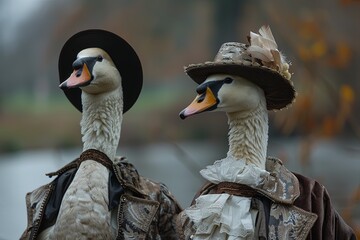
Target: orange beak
x=79 y=77
x=201 y=103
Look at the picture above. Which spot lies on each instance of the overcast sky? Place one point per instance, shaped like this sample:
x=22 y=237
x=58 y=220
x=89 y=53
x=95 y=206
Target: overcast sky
x=13 y=13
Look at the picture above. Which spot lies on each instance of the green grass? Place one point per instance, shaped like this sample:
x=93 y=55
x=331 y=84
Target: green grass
x=29 y=123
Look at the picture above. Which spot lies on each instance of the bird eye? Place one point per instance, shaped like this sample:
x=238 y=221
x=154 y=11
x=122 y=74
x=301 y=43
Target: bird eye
x=228 y=80
x=99 y=58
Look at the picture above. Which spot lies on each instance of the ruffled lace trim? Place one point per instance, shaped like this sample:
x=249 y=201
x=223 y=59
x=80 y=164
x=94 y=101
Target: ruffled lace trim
x=213 y=217
x=231 y=170
x=213 y=214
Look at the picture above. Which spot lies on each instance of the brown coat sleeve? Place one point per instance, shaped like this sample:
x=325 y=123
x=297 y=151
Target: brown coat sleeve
x=315 y=198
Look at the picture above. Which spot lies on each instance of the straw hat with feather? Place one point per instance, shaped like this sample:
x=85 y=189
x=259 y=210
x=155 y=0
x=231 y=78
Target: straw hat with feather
x=260 y=62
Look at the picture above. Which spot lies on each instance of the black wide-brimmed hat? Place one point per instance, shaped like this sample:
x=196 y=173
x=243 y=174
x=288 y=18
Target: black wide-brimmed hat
x=260 y=62
x=123 y=55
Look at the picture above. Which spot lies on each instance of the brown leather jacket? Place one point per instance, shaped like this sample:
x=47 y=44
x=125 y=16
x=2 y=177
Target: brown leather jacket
x=290 y=206
x=140 y=197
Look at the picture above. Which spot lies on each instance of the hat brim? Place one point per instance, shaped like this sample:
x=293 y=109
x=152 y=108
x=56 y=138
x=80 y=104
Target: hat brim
x=279 y=92
x=123 y=55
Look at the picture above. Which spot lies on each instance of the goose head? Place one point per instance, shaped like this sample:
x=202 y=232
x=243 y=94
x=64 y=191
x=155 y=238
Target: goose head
x=94 y=72
x=226 y=93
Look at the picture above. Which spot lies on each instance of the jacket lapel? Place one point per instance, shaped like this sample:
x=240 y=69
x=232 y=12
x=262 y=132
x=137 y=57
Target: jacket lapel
x=289 y=222
x=286 y=221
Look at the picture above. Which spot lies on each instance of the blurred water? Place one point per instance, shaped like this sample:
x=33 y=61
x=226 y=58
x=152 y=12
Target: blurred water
x=334 y=164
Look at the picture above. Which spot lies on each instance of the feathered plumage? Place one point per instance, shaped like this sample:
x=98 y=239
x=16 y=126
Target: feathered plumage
x=245 y=105
x=84 y=212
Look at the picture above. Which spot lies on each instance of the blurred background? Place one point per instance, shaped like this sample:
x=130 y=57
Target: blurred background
x=318 y=136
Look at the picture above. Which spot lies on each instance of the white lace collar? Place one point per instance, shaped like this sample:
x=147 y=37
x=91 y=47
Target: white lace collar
x=234 y=170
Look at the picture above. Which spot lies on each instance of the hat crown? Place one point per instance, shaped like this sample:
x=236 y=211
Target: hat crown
x=231 y=52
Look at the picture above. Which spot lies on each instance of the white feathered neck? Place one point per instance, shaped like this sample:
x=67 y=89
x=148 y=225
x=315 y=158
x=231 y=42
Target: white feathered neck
x=101 y=121
x=245 y=105
x=248 y=135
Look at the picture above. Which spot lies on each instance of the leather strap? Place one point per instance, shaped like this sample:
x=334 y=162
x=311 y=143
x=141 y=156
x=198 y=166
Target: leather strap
x=236 y=189
x=90 y=154
x=95 y=155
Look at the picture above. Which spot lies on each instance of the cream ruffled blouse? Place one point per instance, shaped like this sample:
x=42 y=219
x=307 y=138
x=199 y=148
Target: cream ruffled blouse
x=213 y=214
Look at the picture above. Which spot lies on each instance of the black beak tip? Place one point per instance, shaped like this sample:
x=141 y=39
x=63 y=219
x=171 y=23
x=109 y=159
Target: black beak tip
x=63 y=86
x=182 y=115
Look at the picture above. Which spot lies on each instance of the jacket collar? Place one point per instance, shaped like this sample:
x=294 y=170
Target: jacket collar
x=275 y=182
x=125 y=172
x=280 y=185
x=128 y=176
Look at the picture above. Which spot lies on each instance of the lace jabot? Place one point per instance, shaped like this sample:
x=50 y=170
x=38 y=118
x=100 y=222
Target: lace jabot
x=213 y=214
